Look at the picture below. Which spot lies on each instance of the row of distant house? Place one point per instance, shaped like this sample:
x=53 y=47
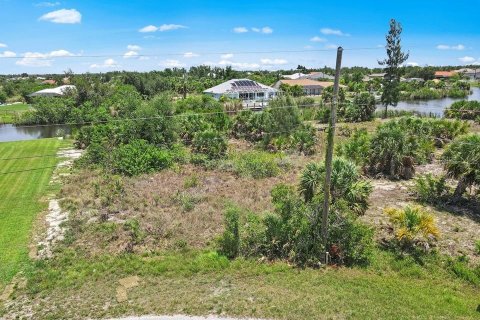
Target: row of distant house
x=471 y=74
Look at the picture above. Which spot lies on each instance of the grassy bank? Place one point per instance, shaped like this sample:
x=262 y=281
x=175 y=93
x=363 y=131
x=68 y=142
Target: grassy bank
x=192 y=282
x=21 y=193
x=8 y=113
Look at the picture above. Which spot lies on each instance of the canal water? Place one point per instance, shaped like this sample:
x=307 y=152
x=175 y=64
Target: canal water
x=10 y=132
x=436 y=106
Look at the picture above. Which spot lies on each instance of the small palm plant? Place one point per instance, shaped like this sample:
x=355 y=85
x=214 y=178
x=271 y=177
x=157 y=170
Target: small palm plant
x=462 y=161
x=413 y=225
x=347 y=184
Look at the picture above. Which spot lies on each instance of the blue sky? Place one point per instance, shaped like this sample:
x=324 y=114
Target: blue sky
x=97 y=36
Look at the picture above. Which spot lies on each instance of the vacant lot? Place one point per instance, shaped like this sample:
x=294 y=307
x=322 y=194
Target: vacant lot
x=24 y=181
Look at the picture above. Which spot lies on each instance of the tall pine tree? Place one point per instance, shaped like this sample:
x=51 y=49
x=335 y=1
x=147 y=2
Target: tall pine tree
x=395 y=58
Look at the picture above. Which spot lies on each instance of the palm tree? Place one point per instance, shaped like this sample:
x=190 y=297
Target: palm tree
x=347 y=185
x=462 y=162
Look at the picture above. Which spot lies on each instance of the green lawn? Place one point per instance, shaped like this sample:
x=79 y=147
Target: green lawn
x=8 y=112
x=20 y=195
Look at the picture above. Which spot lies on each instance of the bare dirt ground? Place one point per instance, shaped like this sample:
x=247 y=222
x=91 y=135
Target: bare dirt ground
x=459 y=226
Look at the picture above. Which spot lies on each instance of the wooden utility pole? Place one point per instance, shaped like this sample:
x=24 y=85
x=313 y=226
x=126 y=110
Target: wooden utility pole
x=329 y=155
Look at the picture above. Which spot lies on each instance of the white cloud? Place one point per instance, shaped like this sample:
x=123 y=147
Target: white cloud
x=34 y=59
x=334 y=32
x=477 y=63
x=48 y=4
x=318 y=39
x=226 y=56
x=240 y=30
x=134 y=47
x=412 y=64
x=38 y=59
x=331 y=46
x=150 y=28
x=273 y=62
x=7 y=54
x=458 y=47
x=264 y=30
x=60 y=53
x=162 y=28
x=467 y=59
x=109 y=63
x=3 y=45
x=130 y=54
x=170 y=63
x=69 y=16
x=168 y=27
x=239 y=65
x=190 y=55
x=267 y=30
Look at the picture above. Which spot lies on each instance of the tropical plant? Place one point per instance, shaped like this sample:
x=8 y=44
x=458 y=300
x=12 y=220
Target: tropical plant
x=462 y=161
x=431 y=189
x=356 y=148
x=412 y=225
x=210 y=143
x=347 y=186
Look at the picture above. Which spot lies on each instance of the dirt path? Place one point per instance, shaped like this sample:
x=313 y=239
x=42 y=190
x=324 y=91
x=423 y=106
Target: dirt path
x=56 y=218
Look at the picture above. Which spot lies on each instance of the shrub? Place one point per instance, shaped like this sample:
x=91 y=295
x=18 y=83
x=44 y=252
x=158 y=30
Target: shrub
x=412 y=225
x=347 y=188
x=229 y=242
x=461 y=160
x=430 y=189
x=139 y=157
x=305 y=139
x=477 y=247
x=361 y=109
x=356 y=148
x=466 y=110
x=211 y=143
x=396 y=146
x=323 y=115
x=256 y=164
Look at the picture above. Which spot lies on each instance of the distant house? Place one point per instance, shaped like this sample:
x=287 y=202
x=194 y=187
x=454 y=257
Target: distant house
x=444 y=74
x=412 y=80
x=294 y=76
x=374 y=76
x=472 y=74
x=310 y=87
x=50 y=82
x=53 y=92
x=246 y=90
x=319 y=76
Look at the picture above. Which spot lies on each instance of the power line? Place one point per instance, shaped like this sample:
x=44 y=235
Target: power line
x=46 y=57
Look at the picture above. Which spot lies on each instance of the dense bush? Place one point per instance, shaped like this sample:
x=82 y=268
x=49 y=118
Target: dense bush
x=393 y=152
x=462 y=161
x=430 y=189
x=210 y=143
x=347 y=188
x=229 y=242
x=257 y=164
x=292 y=233
x=139 y=157
x=361 y=109
x=467 y=110
x=356 y=148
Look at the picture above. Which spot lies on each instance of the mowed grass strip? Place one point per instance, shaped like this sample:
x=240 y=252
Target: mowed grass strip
x=20 y=194
x=206 y=283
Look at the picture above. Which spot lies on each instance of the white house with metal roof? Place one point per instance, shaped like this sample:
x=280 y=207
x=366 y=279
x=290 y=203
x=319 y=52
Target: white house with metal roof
x=54 y=92
x=250 y=92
